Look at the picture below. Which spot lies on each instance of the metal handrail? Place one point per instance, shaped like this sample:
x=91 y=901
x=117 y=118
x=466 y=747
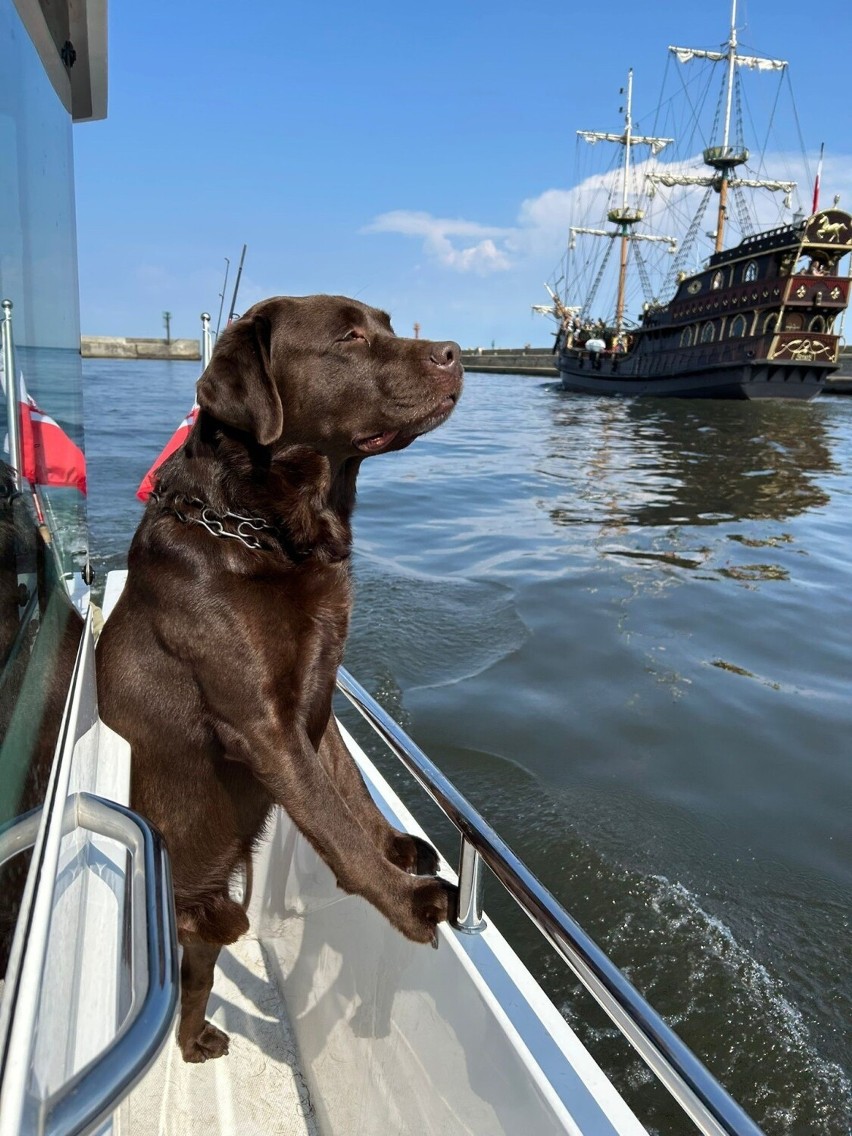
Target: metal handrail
x=92 y=1094
x=13 y=414
x=206 y=341
x=696 y=1090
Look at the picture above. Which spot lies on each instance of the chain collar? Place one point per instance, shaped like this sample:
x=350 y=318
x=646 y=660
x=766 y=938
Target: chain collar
x=247 y=530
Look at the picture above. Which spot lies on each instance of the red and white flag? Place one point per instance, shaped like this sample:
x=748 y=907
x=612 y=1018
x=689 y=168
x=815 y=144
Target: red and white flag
x=817 y=179
x=48 y=456
x=146 y=486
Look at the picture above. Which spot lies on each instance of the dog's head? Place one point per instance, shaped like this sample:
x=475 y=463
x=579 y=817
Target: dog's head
x=328 y=372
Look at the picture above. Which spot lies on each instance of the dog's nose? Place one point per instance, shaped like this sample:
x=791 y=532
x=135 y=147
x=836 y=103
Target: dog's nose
x=445 y=354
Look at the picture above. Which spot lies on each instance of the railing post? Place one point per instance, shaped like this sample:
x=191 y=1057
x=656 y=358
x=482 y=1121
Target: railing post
x=13 y=413
x=471 y=882
x=206 y=345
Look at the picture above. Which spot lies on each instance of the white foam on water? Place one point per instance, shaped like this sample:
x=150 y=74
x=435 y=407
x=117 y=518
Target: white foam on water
x=782 y=1024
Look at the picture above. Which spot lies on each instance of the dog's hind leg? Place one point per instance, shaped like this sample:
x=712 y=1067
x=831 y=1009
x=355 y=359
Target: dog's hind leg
x=203 y=932
x=403 y=850
x=199 y=1040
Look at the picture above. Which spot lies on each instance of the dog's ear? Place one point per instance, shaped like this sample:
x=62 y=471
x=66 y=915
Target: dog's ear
x=237 y=386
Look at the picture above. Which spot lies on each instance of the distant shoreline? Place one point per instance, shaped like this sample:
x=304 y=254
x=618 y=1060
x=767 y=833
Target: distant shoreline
x=510 y=361
x=123 y=347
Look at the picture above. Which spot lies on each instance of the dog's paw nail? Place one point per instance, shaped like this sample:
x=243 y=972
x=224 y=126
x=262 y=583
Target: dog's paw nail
x=435 y=940
x=209 y=1044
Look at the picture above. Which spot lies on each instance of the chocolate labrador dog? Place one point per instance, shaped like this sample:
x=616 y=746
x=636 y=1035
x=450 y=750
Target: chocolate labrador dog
x=218 y=663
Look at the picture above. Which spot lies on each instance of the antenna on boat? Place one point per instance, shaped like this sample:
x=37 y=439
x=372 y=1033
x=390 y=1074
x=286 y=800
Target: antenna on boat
x=233 y=310
x=222 y=296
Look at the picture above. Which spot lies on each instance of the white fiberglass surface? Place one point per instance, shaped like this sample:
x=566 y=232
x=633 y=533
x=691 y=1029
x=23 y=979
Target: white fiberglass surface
x=400 y=1038
x=257 y=1090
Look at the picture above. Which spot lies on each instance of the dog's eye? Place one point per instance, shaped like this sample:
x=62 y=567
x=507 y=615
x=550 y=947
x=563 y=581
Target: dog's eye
x=353 y=335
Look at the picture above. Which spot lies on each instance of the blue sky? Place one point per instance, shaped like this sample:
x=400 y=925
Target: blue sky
x=419 y=157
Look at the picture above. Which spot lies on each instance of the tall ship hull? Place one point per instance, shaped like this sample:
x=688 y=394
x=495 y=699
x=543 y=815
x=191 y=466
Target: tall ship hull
x=722 y=381
x=758 y=322
x=759 y=319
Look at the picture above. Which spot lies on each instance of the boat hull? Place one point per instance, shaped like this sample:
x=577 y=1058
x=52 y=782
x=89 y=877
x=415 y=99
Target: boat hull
x=753 y=380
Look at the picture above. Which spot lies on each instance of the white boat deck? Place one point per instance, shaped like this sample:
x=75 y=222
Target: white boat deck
x=257 y=1090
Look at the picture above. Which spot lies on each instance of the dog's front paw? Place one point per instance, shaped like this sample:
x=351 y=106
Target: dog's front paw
x=432 y=902
x=211 y=1042
x=413 y=855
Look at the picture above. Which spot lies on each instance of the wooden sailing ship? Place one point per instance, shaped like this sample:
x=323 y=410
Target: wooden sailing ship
x=758 y=320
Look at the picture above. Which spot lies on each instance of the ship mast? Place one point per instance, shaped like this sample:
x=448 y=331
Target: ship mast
x=624 y=216
x=725 y=158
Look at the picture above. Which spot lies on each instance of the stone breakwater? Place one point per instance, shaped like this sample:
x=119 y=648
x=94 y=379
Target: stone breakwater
x=511 y=361
x=121 y=347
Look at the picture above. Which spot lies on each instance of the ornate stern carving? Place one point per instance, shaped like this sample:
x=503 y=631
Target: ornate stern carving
x=800 y=349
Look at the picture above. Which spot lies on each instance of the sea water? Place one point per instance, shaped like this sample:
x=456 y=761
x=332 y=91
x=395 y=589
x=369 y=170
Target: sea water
x=622 y=627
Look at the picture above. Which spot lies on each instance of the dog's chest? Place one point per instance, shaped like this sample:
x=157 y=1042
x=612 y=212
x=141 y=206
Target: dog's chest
x=314 y=610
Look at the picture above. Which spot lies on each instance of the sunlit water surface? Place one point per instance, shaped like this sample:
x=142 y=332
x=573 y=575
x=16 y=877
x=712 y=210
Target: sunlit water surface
x=622 y=627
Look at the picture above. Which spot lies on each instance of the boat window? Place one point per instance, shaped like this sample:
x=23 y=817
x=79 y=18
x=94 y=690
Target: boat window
x=686 y=337
x=770 y=323
x=817 y=324
x=750 y=272
x=718 y=280
x=707 y=333
x=39 y=628
x=738 y=327
x=794 y=321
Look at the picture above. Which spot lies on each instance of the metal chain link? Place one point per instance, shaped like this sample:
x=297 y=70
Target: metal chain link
x=215 y=523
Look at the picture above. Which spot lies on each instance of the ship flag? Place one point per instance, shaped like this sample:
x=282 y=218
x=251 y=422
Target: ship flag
x=815 y=204
x=146 y=486
x=48 y=456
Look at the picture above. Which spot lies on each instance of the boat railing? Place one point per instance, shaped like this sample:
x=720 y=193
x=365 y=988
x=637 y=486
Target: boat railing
x=690 y=1083
x=13 y=418
x=206 y=341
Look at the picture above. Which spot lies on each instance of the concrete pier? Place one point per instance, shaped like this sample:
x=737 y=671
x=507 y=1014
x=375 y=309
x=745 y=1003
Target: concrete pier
x=538 y=361
x=841 y=381
x=122 y=347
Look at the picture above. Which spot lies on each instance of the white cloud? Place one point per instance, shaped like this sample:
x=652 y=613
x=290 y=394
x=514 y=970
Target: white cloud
x=541 y=230
x=542 y=225
x=483 y=257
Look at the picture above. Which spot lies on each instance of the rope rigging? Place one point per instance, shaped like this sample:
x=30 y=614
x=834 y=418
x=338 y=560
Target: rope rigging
x=589 y=304
x=688 y=243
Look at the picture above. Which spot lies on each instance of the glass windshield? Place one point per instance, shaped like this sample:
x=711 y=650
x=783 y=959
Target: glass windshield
x=42 y=486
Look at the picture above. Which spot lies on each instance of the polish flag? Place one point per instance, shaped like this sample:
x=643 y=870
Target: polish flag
x=48 y=455
x=146 y=486
x=815 y=202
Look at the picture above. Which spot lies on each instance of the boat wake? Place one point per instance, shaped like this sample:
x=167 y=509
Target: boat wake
x=707 y=980
x=707 y=985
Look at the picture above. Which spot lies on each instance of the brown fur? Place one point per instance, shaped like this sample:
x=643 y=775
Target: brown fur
x=218 y=663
